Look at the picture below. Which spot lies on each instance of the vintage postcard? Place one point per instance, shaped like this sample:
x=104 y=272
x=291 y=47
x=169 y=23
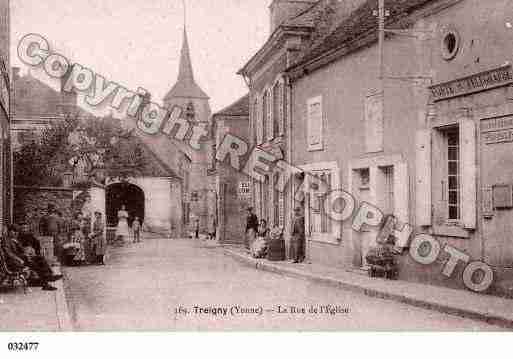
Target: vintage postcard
x=243 y=165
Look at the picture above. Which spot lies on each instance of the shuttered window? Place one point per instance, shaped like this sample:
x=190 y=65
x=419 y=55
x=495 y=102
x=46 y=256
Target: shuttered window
x=276 y=200
x=374 y=123
x=401 y=192
x=261 y=120
x=254 y=122
x=285 y=110
x=269 y=115
x=468 y=174
x=455 y=168
x=277 y=108
x=315 y=124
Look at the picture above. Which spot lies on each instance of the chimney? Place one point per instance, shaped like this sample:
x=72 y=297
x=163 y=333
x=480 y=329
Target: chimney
x=282 y=10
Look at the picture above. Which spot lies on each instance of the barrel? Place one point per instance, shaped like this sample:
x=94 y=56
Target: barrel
x=276 y=250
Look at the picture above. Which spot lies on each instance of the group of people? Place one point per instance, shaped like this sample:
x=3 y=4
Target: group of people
x=22 y=253
x=85 y=245
x=257 y=235
x=123 y=229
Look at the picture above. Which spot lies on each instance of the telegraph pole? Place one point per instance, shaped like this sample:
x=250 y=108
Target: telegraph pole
x=381 y=43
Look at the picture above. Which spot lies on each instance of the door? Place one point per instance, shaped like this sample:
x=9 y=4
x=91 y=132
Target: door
x=319 y=225
x=375 y=185
x=364 y=194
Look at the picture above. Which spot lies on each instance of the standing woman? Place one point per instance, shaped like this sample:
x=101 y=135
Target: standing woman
x=85 y=228
x=99 y=243
x=122 y=230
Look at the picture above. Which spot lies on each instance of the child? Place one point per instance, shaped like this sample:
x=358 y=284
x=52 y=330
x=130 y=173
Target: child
x=136 y=228
x=259 y=247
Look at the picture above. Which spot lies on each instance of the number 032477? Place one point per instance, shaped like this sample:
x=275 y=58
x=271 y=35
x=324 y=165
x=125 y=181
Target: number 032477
x=22 y=346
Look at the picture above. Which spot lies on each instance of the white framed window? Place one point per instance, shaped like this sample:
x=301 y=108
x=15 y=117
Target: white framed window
x=454 y=165
x=314 y=120
x=322 y=178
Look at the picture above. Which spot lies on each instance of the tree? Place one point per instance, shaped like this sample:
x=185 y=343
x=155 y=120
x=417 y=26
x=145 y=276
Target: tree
x=83 y=147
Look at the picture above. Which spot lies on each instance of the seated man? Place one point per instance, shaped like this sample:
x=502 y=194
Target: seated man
x=19 y=255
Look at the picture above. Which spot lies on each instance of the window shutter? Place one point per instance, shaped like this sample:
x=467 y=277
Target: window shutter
x=259 y=120
x=270 y=117
x=401 y=192
x=423 y=178
x=374 y=123
x=283 y=109
x=335 y=185
x=314 y=124
x=468 y=173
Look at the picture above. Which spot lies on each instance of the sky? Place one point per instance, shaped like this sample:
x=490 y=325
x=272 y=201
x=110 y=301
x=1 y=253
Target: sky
x=137 y=43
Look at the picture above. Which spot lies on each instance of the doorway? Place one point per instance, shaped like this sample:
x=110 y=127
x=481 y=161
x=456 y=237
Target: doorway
x=375 y=185
x=127 y=194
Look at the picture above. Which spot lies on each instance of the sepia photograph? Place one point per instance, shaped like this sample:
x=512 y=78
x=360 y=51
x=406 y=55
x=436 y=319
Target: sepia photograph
x=201 y=166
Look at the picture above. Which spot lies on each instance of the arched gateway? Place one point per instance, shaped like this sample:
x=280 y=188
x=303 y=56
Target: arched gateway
x=155 y=200
x=127 y=194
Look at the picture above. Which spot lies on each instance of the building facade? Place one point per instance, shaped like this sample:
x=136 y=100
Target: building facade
x=152 y=192
x=233 y=187
x=5 y=118
x=196 y=194
x=292 y=23
x=429 y=144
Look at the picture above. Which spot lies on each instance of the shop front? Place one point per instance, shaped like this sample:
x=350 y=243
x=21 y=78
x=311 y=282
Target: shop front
x=469 y=146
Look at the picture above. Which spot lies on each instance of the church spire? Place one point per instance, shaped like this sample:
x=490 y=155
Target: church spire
x=185 y=72
x=185 y=86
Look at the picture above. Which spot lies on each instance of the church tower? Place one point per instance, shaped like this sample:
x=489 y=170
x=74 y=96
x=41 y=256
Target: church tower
x=186 y=93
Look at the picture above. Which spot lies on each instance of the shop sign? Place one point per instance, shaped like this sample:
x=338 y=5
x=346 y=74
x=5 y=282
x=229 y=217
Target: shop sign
x=487 y=80
x=497 y=130
x=245 y=189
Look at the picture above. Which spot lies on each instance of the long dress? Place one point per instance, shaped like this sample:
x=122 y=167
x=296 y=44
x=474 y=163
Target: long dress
x=122 y=229
x=99 y=243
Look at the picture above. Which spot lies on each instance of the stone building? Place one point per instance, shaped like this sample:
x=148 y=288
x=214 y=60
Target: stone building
x=36 y=105
x=197 y=194
x=428 y=144
x=430 y=148
x=269 y=95
x=5 y=118
x=152 y=194
x=233 y=188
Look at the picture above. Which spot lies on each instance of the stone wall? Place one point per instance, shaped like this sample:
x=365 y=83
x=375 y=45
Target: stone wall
x=31 y=203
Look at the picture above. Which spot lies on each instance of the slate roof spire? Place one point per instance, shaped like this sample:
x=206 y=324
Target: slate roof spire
x=186 y=86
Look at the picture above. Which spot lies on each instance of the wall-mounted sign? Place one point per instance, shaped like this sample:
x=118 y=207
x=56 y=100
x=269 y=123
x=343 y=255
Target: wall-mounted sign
x=482 y=81
x=498 y=136
x=487 y=202
x=502 y=196
x=497 y=130
x=244 y=189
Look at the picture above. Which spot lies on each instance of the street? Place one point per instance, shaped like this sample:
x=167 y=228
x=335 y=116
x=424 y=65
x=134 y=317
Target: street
x=176 y=285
